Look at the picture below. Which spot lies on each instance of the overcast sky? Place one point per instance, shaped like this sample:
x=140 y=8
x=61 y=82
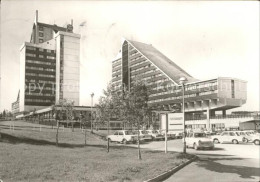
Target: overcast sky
x=207 y=39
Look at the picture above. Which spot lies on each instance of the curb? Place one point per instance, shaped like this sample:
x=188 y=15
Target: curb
x=167 y=174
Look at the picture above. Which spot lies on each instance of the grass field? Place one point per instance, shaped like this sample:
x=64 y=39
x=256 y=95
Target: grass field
x=33 y=156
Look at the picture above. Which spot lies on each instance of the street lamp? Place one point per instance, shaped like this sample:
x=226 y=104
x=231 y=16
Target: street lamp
x=182 y=82
x=92 y=95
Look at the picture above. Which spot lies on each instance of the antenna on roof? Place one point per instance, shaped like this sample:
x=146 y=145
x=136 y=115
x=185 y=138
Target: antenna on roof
x=36 y=16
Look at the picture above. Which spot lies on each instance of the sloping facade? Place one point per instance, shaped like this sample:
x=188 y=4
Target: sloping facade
x=139 y=61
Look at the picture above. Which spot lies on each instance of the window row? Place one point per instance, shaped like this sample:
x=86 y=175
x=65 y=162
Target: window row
x=40 y=75
x=135 y=53
x=209 y=92
x=40 y=56
x=114 y=67
x=40 y=68
x=136 y=58
x=116 y=76
x=40 y=62
x=172 y=98
x=117 y=61
x=136 y=64
x=200 y=85
x=39 y=94
x=113 y=72
x=38 y=100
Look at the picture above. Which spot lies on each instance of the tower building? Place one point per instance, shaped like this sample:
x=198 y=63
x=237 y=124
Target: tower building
x=49 y=67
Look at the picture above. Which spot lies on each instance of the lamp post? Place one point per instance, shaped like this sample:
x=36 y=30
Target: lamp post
x=92 y=95
x=182 y=82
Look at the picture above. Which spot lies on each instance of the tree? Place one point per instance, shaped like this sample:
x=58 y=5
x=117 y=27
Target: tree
x=84 y=122
x=107 y=107
x=4 y=114
x=67 y=109
x=130 y=106
x=55 y=112
x=137 y=106
x=64 y=106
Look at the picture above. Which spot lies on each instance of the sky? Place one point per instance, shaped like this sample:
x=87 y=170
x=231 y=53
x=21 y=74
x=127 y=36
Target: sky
x=206 y=39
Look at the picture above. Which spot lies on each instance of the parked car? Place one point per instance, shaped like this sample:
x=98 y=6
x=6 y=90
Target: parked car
x=256 y=139
x=123 y=136
x=179 y=135
x=155 y=135
x=170 y=134
x=198 y=140
x=251 y=132
x=228 y=136
x=144 y=136
x=246 y=135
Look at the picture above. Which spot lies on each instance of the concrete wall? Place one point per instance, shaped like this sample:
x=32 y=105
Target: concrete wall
x=22 y=78
x=57 y=89
x=71 y=74
x=224 y=88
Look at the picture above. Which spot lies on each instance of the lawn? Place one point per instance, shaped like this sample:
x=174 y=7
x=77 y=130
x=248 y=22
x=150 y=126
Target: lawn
x=33 y=156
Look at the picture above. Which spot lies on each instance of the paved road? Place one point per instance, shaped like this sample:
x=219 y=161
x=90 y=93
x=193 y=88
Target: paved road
x=226 y=163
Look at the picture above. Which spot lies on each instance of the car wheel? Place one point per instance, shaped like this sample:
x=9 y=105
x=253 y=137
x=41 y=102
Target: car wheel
x=234 y=141
x=245 y=140
x=124 y=141
x=216 y=140
x=256 y=142
x=195 y=146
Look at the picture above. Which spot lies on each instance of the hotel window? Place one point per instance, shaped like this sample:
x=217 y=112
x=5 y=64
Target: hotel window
x=40 y=40
x=50 y=57
x=30 y=48
x=40 y=28
x=48 y=50
x=41 y=50
x=40 y=34
x=31 y=55
x=41 y=56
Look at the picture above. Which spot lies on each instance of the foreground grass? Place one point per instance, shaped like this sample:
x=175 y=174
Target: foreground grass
x=33 y=156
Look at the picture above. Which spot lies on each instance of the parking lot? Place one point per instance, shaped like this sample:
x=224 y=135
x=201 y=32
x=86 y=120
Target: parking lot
x=226 y=162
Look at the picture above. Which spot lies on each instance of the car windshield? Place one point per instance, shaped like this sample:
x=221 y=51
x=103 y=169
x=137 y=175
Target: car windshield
x=238 y=134
x=200 y=135
x=242 y=133
x=129 y=133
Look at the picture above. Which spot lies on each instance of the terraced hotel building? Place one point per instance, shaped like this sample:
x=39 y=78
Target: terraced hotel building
x=139 y=61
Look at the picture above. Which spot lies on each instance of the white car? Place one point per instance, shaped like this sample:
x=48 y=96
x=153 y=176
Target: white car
x=155 y=135
x=228 y=137
x=123 y=136
x=144 y=135
x=256 y=139
x=247 y=136
x=198 y=140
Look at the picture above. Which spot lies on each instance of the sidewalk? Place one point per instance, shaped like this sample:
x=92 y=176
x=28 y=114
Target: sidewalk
x=219 y=168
